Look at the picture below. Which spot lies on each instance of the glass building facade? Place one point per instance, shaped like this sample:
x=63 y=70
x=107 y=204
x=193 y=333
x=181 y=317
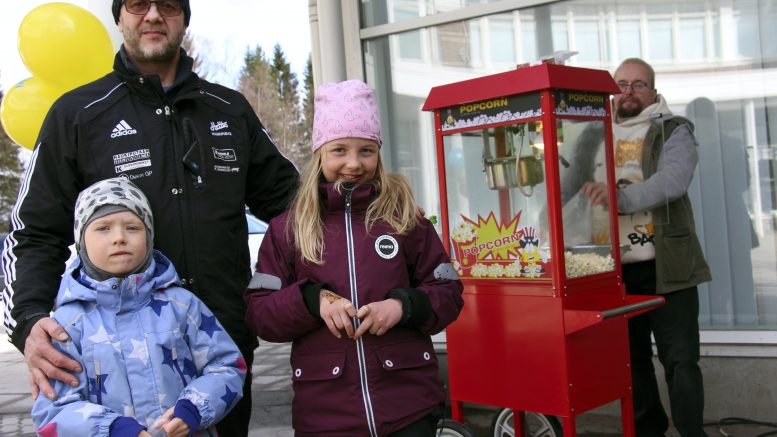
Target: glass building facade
x=715 y=62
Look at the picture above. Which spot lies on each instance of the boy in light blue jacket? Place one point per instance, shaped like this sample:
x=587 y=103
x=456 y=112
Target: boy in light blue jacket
x=155 y=361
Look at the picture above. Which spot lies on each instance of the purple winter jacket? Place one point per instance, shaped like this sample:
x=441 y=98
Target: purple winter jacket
x=377 y=384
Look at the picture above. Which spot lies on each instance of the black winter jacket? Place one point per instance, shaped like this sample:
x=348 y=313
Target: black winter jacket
x=199 y=153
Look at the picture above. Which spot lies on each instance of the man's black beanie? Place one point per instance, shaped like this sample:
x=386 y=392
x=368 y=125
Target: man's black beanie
x=187 y=11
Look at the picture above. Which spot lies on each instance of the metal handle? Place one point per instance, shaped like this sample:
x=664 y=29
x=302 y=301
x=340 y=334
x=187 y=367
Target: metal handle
x=632 y=307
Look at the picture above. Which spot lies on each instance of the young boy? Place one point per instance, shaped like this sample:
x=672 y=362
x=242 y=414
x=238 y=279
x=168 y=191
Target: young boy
x=154 y=358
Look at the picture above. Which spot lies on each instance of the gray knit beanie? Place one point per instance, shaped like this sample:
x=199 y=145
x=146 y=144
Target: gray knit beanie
x=120 y=192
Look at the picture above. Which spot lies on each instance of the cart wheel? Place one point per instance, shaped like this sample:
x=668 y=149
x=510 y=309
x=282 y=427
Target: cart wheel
x=537 y=425
x=451 y=428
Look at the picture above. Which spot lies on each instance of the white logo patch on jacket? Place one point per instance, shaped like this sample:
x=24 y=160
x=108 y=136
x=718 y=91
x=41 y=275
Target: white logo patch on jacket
x=217 y=128
x=224 y=154
x=386 y=246
x=122 y=129
x=132 y=160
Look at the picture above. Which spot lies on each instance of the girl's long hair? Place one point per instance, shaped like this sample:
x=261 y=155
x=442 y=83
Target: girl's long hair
x=395 y=206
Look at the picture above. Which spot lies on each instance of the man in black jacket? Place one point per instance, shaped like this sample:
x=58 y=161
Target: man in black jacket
x=196 y=149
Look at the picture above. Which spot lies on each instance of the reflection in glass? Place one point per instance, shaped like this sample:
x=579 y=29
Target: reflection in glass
x=737 y=74
x=377 y=12
x=502 y=41
x=660 y=40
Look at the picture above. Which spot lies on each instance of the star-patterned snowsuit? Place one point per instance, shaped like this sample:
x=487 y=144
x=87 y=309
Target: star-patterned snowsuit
x=144 y=343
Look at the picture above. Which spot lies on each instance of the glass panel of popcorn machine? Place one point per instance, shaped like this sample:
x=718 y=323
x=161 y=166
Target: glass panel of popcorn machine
x=585 y=215
x=496 y=203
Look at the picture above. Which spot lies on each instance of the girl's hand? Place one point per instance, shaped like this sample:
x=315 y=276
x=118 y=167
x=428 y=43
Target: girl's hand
x=176 y=428
x=379 y=317
x=336 y=311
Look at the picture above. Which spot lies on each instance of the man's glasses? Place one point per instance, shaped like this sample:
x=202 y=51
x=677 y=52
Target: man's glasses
x=635 y=86
x=166 y=8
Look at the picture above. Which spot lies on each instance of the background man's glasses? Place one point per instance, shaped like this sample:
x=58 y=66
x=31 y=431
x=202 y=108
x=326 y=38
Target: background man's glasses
x=166 y=8
x=635 y=86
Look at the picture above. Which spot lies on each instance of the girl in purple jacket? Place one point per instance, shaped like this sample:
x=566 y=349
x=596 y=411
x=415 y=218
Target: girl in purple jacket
x=358 y=281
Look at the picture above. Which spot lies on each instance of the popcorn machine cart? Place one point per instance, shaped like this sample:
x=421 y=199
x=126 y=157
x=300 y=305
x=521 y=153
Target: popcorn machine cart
x=544 y=325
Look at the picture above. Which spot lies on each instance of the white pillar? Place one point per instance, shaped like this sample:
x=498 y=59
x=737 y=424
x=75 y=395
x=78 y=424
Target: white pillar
x=329 y=41
x=315 y=46
x=352 y=43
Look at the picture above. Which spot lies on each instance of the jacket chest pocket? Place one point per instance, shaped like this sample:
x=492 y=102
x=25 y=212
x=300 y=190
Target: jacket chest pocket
x=226 y=160
x=177 y=367
x=103 y=370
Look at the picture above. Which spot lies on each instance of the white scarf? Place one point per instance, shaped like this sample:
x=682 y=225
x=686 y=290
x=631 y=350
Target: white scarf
x=636 y=230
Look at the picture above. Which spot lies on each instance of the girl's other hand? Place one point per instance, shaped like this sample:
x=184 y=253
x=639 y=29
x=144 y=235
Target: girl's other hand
x=336 y=311
x=176 y=428
x=378 y=317
x=157 y=429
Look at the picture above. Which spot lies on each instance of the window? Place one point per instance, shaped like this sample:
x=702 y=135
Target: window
x=502 y=47
x=713 y=65
x=587 y=42
x=660 y=40
x=629 y=39
x=691 y=39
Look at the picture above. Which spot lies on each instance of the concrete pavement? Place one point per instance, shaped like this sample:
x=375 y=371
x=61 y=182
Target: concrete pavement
x=272 y=397
x=271 y=392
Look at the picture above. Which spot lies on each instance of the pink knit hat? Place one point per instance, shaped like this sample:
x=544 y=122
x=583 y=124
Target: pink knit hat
x=345 y=110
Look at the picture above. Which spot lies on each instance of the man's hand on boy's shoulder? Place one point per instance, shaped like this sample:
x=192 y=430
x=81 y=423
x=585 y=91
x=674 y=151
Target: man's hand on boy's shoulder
x=44 y=361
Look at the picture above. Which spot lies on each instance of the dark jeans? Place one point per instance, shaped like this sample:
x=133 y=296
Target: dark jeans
x=675 y=327
x=236 y=422
x=424 y=427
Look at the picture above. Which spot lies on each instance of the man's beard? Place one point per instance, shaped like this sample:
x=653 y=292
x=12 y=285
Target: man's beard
x=158 y=54
x=629 y=112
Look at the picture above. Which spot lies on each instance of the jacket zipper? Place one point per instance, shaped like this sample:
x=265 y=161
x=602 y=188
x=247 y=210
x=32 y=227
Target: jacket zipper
x=189 y=264
x=98 y=382
x=355 y=300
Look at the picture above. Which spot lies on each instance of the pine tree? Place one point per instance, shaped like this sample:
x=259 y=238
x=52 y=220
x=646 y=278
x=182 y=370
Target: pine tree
x=271 y=88
x=257 y=85
x=307 y=107
x=10 y=175
x=190 y=47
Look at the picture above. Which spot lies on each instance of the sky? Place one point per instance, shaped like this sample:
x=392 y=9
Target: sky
x=223 y=30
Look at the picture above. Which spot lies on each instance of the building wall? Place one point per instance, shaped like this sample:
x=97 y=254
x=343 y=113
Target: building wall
x=727 y=390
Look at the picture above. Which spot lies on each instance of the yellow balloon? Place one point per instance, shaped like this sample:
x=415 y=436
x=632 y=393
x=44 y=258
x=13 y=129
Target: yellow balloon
x=64 y=45
x=24 y=107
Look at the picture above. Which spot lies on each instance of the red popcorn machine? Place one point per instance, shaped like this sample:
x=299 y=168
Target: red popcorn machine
x=544 y=325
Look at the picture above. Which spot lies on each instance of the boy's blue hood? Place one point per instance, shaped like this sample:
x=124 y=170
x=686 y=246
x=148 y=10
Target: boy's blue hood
x=117 y=293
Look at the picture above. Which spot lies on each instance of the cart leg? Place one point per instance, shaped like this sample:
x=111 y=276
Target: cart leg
x=627 y=415
x=457 y=411
x=570 y=430
x=519 y=422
